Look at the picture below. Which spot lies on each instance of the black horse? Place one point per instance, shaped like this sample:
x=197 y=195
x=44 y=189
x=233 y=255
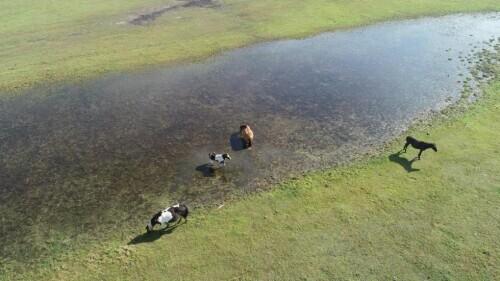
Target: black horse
x=418 y=145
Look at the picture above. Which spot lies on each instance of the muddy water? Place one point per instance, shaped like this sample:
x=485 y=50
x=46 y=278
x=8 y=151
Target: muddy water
x=75 y=158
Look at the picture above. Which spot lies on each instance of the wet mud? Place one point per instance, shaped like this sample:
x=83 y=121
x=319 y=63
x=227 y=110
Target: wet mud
x=74 y=158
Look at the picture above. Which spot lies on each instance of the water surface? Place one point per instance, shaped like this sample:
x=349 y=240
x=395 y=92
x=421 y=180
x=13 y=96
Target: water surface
x=74 y=158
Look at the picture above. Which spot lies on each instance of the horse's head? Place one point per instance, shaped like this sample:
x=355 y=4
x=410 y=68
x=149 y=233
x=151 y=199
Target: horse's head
x=433 y=146
x=245 y=129
x=185 y=213
x=183 y=210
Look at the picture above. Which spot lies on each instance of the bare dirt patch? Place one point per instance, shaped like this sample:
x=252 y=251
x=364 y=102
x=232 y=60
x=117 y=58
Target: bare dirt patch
x=152 y=15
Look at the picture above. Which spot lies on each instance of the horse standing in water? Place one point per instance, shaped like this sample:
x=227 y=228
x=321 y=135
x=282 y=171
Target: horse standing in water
x=246 y=134
x=218 y=160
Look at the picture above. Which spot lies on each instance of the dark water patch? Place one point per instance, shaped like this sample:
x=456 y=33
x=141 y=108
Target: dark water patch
x=80 y=161
x=236 y=142
x=206 y=169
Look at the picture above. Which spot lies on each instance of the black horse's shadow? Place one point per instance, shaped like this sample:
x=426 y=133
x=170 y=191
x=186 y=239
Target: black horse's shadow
x=207 y=170
x=152 y=236
x=236 y=142
x=405 y=163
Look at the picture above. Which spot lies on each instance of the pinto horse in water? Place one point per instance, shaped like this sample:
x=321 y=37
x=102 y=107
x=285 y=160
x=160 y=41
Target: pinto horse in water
x=418 y=145
x=218 y=160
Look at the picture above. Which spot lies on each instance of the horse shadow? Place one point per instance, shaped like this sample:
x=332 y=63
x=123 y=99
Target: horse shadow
x=207 y=170
x=405 y=163
x=152 y=236
x=236 y=142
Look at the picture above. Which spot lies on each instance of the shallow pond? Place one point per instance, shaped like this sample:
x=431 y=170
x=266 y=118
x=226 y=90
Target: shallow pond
x=76 y=157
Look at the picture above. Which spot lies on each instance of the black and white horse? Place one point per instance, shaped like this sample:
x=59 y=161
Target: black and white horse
x=169 y=215
x=418 y=145
x=218 y=159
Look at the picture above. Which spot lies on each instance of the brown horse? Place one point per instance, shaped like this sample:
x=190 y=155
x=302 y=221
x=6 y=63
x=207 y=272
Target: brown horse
x=246 y=134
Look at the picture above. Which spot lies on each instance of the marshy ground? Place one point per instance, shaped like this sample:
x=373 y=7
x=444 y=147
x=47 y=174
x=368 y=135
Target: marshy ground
x=74 y=157
x=86 y=153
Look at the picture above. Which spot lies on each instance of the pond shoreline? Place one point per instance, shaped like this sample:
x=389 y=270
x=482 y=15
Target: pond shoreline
x=12 y=92
x=41 y=75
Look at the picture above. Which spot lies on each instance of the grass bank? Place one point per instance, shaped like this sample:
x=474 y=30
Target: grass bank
x=387 y=219
x=45 y=42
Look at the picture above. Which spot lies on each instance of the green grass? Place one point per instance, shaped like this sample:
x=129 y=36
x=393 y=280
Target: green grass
x=371 y=221
x=54 y=41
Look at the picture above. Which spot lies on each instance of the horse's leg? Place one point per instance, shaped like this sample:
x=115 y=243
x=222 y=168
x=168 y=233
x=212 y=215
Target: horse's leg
x=406 y=145
x=249 y=143
x=153 y=223
x=177 y=218
x=420 y=153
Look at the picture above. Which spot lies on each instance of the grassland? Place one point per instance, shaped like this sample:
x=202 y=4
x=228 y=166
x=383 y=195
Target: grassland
x=53 y=41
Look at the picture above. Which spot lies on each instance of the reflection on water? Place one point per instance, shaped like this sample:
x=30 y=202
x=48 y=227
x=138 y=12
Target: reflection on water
x=78 y=156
